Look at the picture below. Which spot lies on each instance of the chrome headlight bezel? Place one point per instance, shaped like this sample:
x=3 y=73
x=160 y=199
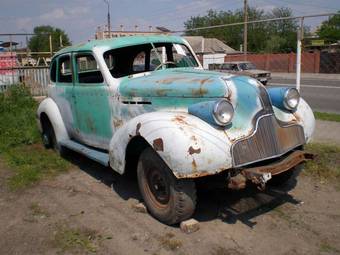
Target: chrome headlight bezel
x=228 y=114
x=291 y=99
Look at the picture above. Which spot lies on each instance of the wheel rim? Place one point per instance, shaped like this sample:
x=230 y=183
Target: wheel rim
x=158 y=186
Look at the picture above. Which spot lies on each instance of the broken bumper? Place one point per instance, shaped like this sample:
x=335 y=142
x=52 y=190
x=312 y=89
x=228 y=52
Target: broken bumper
x=261 y=174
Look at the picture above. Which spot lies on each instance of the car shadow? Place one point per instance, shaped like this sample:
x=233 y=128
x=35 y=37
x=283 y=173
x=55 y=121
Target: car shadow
x=227 y=205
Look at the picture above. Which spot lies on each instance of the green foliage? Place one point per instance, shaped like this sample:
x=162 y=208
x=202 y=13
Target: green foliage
x=327 y=116
x=18 y=122
x=40 y=41
x=278 y=36
x=330 y=29
x=19 y=137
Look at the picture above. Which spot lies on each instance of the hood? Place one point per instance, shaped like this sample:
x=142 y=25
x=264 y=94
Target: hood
x=187 y=83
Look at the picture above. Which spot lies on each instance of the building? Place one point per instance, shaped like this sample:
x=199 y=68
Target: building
x=209 y=50
x=104 y=34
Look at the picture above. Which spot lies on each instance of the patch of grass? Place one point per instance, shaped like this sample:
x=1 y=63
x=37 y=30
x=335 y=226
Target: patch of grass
x=169 y=243
x=37 y=211
x=327 y=116
x=20 y=140
x=326 y=166
x=75 y=239
x=31 y=163
x=325 y=247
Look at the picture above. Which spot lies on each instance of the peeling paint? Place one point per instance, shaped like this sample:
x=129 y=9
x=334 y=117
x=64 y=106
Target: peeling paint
x=191 y=150
x=158 y=144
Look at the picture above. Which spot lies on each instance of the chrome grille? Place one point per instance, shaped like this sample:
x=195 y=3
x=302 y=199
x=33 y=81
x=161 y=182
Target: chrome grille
x=268 y=141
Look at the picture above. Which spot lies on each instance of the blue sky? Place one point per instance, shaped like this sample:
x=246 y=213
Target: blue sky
x=80 y=18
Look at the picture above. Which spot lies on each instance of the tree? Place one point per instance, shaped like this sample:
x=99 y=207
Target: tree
x=330 y=29
x=280 y=34
x=40 y=41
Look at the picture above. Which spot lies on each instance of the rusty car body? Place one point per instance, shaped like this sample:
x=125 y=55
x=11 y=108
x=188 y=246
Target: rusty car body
x=145 y=104
x=245 y=68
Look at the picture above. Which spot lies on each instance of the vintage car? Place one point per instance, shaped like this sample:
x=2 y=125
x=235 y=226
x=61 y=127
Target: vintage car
x=245 y=68
x=145 y=105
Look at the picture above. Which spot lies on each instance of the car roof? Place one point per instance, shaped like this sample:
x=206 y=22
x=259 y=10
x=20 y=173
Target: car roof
x=120 y=42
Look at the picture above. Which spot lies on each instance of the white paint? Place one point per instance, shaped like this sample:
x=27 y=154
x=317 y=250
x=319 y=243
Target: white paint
x=217 y=58
x=49 y=107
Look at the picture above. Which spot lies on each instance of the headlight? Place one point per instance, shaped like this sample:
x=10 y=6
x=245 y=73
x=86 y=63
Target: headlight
x=291 y=99
x=223 y=112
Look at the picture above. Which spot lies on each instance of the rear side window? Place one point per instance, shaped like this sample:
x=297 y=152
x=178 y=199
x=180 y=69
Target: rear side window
x=53 y=71
x=64 y=69
x=88 y=70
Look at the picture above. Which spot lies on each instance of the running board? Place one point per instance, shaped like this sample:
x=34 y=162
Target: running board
x=98 y=156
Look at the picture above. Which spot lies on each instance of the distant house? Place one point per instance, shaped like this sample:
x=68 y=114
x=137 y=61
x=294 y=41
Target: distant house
x=209 y=50
x=104 y=34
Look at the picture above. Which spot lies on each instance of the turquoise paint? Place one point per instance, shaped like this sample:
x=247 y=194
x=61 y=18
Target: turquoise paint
x=175 y=82
x=247 y=104
x=277 y=97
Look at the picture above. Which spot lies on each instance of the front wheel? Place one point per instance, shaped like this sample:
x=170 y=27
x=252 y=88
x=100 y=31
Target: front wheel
x=168 y=199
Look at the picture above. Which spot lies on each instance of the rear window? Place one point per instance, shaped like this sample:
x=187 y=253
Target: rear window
x=64 y=69
x=88 y=70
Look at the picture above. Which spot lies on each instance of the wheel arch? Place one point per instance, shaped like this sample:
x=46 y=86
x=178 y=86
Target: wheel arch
x=49 y=111
x=189 y=146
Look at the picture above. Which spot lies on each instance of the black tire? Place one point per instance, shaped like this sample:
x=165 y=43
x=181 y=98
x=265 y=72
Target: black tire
x=49 y=138
x=168 y=199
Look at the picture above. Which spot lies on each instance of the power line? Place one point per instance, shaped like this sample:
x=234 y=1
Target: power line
x=256 y=21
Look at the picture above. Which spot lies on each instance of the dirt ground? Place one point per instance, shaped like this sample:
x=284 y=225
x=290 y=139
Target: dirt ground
x=91 y=210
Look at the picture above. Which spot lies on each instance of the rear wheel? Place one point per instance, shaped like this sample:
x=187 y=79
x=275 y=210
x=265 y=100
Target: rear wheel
x=49 y=138
x=168 y=199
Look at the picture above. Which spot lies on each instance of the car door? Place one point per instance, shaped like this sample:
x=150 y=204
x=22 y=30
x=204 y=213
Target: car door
x=62 y=93
x=92 y=102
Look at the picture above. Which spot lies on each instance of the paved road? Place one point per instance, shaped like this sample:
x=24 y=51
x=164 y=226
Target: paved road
x=322 y=95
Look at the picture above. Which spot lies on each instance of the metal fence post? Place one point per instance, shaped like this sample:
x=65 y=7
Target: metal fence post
x=298 y=55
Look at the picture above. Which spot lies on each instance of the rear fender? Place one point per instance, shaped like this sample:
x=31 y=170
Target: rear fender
x=188 y=145
x=50 y=108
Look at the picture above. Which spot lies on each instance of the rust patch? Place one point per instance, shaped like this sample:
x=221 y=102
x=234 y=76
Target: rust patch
x=194 y=138
x=90 y=124
x=194 y=151
x=117 y=123
x=194 y=165
x=158 y=144
x=180 y=119
x=170 y=80
x=162 y=92
x=138 y=128
x=199 y=92
x=297 y=117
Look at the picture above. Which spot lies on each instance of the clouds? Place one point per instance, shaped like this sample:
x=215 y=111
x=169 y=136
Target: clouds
x=80 y=18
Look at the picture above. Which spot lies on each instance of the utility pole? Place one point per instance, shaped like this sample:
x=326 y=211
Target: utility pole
x=108 y=17
x=298 y=54
x=245 y=29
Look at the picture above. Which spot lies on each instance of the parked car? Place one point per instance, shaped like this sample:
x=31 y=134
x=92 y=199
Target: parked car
x=144 y=104
x=246 y=68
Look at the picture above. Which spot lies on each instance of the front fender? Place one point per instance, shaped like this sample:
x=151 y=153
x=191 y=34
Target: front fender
x=188 y=145
x=50 y=108
x=303 y=115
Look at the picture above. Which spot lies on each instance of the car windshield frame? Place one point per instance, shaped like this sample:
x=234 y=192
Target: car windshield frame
x=156 y=56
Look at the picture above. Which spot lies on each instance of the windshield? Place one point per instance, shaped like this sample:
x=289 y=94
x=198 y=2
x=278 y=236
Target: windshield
x=247 y=66
x=148 y=57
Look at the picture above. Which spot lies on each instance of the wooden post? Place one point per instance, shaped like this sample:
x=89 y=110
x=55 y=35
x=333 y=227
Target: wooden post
x=51 y=49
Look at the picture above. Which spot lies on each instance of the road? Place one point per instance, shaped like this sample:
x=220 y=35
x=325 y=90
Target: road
x=322 y=95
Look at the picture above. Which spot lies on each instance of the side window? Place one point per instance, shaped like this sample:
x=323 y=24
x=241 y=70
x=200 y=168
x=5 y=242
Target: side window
x=53 y=71
x=64 y=69
x=88 y=70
